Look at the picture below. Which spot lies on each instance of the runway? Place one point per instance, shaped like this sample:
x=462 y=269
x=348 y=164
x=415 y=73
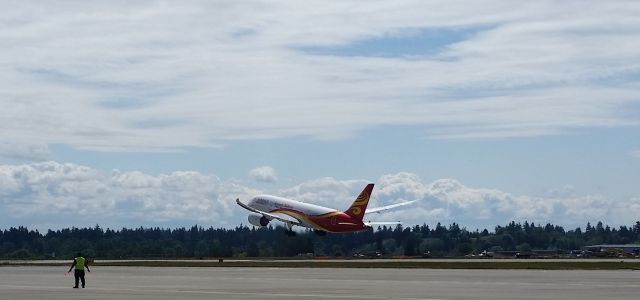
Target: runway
x=37 y=282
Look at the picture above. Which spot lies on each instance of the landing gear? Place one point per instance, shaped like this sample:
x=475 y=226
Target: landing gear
x=320 y=232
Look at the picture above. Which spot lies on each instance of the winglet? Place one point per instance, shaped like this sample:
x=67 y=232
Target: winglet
x=359 y=206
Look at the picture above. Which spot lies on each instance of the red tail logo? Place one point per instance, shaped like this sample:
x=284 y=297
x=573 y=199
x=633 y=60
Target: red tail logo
x=359 y=206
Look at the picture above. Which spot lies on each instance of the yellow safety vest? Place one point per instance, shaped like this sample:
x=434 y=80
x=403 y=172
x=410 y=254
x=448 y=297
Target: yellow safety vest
x=80 y=263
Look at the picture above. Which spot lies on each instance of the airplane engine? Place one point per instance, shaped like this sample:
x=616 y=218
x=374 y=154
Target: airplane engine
x=258 y=220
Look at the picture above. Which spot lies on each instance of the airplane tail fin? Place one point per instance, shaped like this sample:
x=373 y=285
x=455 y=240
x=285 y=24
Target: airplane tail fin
x=360 y=205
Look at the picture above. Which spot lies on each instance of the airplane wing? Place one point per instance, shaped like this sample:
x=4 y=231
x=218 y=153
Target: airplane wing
x=388 y=207
x=279 y=217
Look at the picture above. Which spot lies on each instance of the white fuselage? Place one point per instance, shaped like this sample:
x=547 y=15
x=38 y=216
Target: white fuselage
x=296 y=209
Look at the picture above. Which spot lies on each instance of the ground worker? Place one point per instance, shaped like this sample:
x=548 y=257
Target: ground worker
x=80 y=263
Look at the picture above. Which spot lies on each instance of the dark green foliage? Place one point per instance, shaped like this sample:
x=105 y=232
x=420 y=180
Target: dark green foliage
x=198 y=242
x=20 y=254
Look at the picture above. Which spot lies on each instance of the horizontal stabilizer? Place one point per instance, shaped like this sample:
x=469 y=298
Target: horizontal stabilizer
x=381 y=223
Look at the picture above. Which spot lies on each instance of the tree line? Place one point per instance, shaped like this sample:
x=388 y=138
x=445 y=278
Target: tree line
x=243 y=241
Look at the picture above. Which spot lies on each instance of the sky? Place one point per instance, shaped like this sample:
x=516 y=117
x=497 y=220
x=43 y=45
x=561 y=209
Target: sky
x=162 y=113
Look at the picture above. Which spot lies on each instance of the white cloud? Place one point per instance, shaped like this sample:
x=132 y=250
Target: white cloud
x=627 y=211
x=263 y=174
x=16 y=151
x=157 y=75
x=52 y=194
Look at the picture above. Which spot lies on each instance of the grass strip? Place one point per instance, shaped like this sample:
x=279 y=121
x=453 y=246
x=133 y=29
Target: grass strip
x=507 y=265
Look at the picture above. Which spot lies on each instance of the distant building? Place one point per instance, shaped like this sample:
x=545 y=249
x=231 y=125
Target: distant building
x=628 y=248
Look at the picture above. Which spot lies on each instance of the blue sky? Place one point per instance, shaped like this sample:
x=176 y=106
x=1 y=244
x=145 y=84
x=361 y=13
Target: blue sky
x=418 y=42
x=147 y=113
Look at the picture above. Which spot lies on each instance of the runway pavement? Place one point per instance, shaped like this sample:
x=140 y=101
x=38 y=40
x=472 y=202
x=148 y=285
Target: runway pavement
x=39 y=282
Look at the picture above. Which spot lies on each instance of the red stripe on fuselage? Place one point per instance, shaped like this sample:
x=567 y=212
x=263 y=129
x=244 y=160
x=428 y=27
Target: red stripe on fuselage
x=333 y=222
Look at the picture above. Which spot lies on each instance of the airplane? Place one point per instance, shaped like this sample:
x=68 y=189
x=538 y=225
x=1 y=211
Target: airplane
x=265 y=208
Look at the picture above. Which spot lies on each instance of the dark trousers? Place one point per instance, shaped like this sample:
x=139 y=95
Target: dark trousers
x=79 y=274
